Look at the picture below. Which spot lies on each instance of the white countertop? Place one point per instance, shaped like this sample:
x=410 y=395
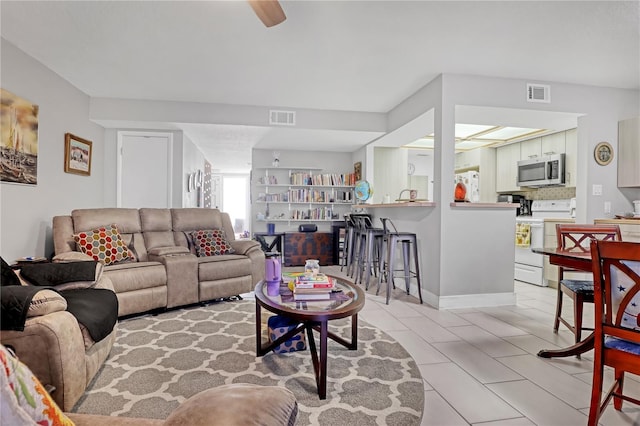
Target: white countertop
x=485 y=205
x=400 y=205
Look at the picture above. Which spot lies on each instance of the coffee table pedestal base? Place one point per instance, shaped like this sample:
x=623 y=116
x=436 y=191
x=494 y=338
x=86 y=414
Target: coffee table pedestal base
x=319 y=360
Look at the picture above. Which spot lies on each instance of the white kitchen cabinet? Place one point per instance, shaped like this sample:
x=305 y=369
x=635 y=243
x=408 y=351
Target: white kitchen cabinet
x=571 y=155
x=553 y=144
x=629 y=153
x=531 y=148
x=507 y=167
x=466 y=160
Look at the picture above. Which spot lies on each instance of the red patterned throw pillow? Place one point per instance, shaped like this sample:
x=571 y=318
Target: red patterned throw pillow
x=212 y=242
x=104 y=245
x=24 y=400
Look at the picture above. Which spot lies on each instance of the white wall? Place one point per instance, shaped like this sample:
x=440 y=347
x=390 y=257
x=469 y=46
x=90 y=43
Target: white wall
x=27 y=211
x=193 y=160
x=601 y=109
x=390 y=173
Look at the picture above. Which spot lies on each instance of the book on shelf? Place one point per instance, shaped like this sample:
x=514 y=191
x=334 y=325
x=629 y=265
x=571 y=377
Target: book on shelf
x=312 y=296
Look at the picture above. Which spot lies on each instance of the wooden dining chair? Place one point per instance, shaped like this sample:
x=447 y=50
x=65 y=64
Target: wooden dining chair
x=616 y=271
x=573 y=237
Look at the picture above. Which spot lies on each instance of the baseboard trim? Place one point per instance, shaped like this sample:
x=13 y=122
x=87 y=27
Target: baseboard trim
x=484 y=300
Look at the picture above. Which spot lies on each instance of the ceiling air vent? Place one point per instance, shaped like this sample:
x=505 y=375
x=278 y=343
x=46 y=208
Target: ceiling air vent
x=538 y=93
x=282 y=118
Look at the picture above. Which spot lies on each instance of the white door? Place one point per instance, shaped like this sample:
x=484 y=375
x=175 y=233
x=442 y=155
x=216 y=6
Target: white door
x=144 y=169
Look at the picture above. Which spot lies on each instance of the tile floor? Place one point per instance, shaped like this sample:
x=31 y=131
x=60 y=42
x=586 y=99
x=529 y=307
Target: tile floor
x=480 y=366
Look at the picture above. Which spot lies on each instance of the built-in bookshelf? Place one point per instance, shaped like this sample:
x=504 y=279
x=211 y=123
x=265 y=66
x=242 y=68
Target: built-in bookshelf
x=295 y=194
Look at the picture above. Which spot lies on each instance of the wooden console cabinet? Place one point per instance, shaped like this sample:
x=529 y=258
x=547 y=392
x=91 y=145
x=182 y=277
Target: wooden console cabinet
x=300 y=246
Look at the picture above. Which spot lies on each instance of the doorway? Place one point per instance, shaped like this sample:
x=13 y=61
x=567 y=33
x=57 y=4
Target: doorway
x=235 y=201
x=144 y=170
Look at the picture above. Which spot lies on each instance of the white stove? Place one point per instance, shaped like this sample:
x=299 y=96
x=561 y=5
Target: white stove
x=528 y=265
x=551 y=209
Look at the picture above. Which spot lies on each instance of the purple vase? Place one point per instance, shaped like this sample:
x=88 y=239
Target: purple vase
x=272 y=275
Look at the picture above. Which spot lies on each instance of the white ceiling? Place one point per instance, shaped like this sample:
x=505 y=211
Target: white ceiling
x=327 y=55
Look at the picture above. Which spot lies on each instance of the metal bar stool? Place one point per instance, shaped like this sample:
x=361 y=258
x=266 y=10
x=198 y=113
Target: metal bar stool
x=369 y=251
x=352 y=259
x=358 y=238
x=388 y=257
x=347 y=245
x=358 y=244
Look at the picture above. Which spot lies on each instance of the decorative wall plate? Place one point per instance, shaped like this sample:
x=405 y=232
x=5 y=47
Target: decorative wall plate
x=603 y=153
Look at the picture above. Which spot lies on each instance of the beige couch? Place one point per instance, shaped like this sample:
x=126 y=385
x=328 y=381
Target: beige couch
x=236 y=404
x=167 y=272
x=229 y=405
x=57 y=350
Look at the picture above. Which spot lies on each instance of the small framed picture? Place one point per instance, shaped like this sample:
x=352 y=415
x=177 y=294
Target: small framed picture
x=603 y=153
x=357 y=170
x=77 y=155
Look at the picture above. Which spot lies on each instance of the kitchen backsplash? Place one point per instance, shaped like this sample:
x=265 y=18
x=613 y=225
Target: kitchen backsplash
x=553 y=193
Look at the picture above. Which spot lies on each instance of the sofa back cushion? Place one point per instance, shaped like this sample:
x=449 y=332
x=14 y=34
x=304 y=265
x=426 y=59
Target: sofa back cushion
x=127 y=220
x=186 y=220
x=156 y=228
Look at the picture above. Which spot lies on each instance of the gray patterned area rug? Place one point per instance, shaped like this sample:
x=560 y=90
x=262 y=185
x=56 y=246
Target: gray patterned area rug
x=159 y=361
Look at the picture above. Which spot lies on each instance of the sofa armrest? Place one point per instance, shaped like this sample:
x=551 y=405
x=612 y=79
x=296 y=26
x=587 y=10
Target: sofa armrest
x=53 y=348
x=255 y=255
x=105 y=282
x=245 y=246
x=237 y=404
x=229 y=405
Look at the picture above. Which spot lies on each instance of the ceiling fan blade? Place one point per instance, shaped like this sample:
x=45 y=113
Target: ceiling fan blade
x=269 y=11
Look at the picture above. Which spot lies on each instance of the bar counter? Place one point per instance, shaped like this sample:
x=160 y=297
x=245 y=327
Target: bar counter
x=398 y=204
x=412 y=204
x=479 y=236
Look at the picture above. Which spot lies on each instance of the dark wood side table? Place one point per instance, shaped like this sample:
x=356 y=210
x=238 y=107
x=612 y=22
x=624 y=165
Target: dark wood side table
x=270 y=242
x=311 y=315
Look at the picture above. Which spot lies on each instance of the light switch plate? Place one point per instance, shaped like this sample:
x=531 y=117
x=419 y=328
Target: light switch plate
x=597 y=189
x=607 y=207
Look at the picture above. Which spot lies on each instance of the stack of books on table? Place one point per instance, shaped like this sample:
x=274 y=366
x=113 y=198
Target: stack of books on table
x=313 y=288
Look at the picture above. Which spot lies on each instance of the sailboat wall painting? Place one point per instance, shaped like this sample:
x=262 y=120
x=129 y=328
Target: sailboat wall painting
x=18 y=139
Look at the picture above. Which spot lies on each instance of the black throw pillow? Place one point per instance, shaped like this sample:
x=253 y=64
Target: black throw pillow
x=9 y=276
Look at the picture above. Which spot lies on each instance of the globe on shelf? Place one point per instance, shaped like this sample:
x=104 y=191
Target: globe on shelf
x=363 y=190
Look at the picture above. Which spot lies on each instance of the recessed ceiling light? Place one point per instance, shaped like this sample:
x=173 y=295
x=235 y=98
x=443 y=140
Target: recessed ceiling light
x=471 y=136
x=507 y=133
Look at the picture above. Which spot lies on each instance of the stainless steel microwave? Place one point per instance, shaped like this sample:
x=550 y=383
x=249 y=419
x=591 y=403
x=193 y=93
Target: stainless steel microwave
x=542 y=171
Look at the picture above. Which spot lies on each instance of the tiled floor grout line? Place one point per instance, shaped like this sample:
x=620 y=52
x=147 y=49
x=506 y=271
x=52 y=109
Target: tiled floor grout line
x=525 y=398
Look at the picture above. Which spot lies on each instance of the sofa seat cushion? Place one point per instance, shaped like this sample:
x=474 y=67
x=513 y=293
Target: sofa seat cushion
x=222 y=267
x=136 y=276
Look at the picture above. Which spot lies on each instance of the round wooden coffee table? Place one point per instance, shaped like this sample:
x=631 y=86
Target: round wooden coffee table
x=311 y=315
